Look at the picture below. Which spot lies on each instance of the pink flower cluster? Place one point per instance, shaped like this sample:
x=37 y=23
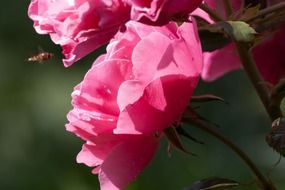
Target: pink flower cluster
x=140 y=87
x=81 y=26
x=137 y=89
x=144 y=81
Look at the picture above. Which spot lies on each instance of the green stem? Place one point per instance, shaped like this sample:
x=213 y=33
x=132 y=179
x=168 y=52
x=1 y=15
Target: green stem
x=264 y=183
x=256 y=78
x=213 y=14
x=228 y=8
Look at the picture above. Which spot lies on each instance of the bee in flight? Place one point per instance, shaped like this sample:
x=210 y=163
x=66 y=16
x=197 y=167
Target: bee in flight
x=43 y=56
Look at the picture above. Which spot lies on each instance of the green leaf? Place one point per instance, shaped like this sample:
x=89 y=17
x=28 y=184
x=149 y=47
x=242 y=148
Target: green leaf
x=239 y=31
x=213 y=183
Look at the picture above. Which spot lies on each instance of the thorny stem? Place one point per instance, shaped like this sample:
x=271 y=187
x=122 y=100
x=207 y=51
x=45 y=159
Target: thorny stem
x=269 y=23
x=228 y=7
x=270 y=10
x=256 y=78
x=265 y=184
x=213 y=14
x=247 y=60
x=258 y=83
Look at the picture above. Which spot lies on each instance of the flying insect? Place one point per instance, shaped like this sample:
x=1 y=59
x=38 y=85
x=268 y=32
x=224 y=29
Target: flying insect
x=41 y=57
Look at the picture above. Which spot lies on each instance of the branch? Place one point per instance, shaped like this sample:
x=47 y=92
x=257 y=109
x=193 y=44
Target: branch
x=265 y=184
x=270 y=10
x=213 y=14
x=256 y=78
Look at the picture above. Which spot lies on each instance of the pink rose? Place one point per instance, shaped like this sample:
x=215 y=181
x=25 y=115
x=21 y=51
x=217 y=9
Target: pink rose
x=268 y=55
x=134 y=91
x=79 y=26
x=159 y=12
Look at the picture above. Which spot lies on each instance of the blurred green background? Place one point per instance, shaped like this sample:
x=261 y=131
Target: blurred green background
x=36 y=153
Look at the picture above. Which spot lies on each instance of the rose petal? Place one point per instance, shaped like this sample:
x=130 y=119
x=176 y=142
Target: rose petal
x=126 y=161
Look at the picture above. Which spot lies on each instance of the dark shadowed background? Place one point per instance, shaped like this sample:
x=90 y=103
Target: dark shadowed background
x=36 y=153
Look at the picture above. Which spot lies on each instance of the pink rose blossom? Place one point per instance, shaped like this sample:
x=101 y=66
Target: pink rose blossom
x=79 y=26
x=159 y=12
x=134 y=91
x=268 y=55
